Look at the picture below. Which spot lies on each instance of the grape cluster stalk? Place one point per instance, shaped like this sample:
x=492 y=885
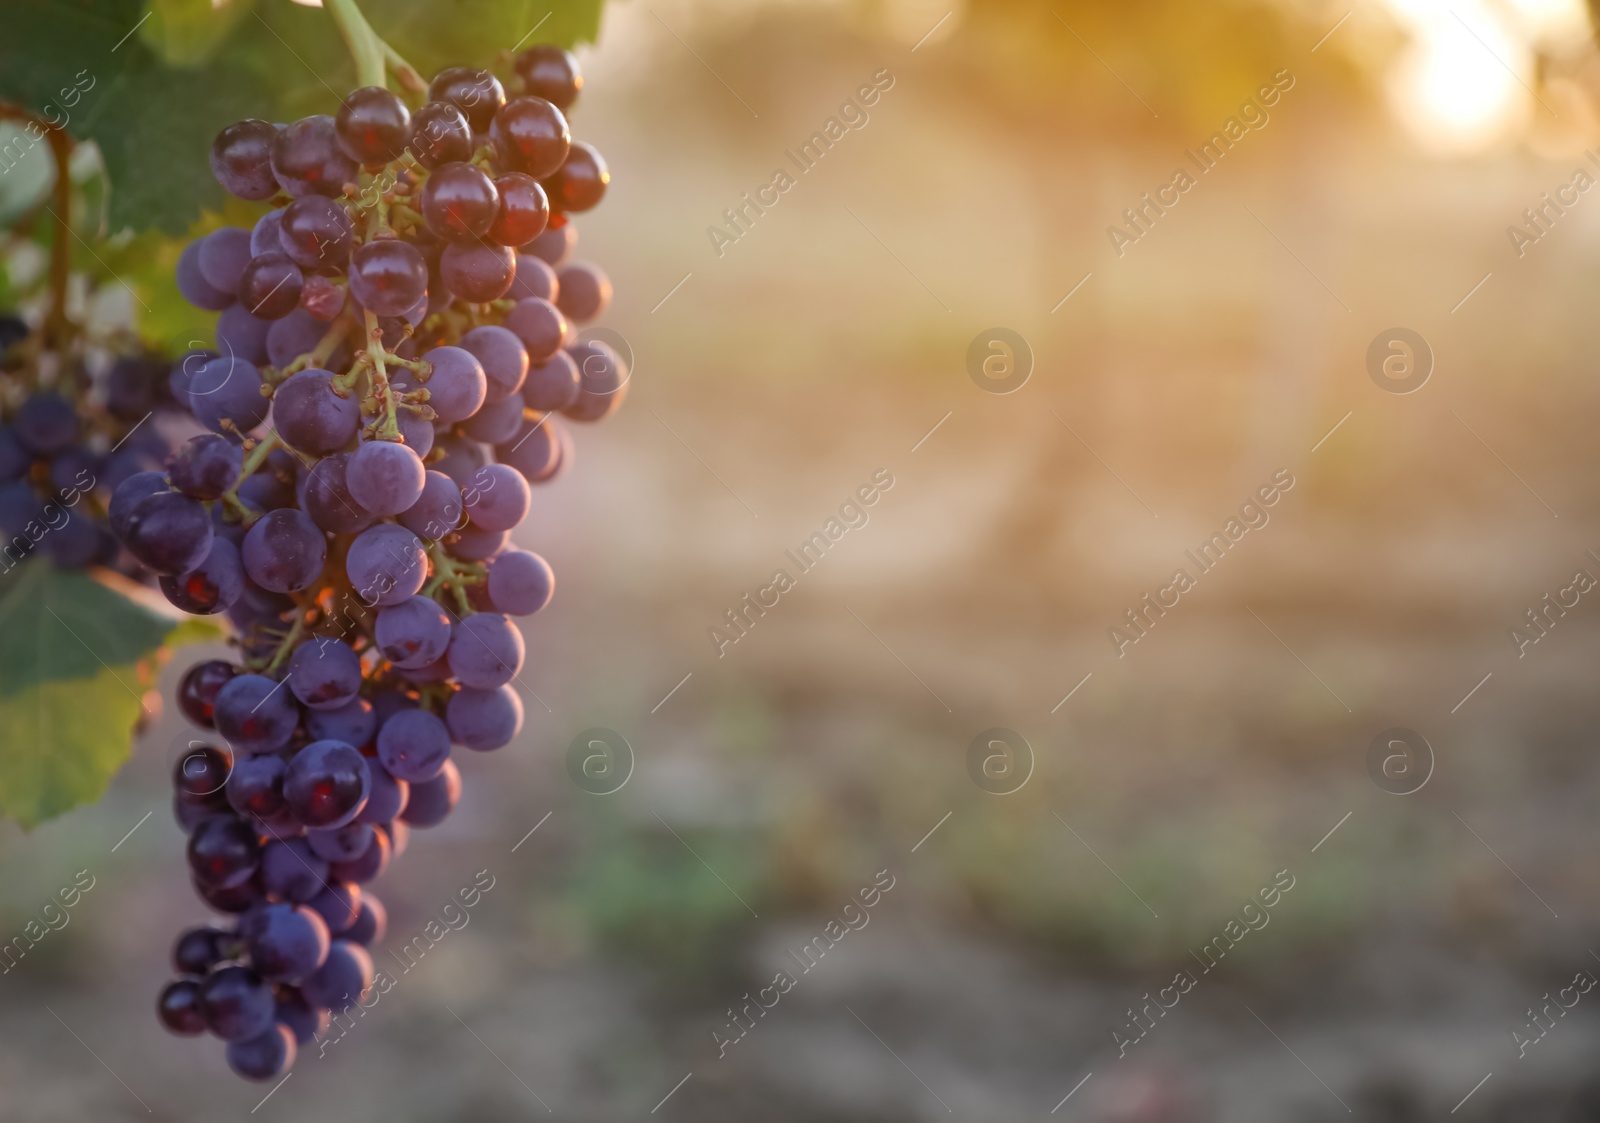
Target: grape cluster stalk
x=396 y=362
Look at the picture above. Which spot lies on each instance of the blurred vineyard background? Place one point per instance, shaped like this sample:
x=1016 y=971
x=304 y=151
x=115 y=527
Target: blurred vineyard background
x=823 y=347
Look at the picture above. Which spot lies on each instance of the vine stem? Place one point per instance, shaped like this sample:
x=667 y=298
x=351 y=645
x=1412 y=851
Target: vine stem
x=368 y=50
x=57 y=326
x=257 y=455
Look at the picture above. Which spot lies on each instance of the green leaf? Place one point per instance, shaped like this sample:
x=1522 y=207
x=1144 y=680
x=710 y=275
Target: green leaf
x=70 y=648
x=188 y=32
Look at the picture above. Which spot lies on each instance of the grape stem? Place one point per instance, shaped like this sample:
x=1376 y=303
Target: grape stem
x=383 y=397
x=57 y=326
x=456 y=574
x=252 y=461
x=323 y=351
x=286 y=645
x=368 y=50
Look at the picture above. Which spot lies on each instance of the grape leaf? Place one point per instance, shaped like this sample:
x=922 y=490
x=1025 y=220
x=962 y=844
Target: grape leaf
x=153 y=92
x=69 y=684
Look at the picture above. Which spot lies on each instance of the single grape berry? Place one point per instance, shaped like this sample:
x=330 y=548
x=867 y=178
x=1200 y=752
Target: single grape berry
x=496 y=497
x=440 y=134
x=255 y=714
x=193 y=286
x=413 y=745
x=206 y=466
x=288 y=942
x=223 y=852
x=503 y=358
x=386 y=564
x=373 y=921
x=539 y=325
x=557 y=242
x=198 y=950
x=584 y=291
x=534 y=277
x=312 y=416
x=46 y=424
x=223 y=256
x=484 y=720
x=531 y=136
x=168 y=532
x=210 y=587
x=271 y=285
x=324 y=673
x=255 y=786
x=494 y=424
x=434 y=799
x=385 y=477
x=290 y=871
x=520 y=582
x=202 y=771
x=226 y=393
x=284 y=551
x=338 y=903
x=266 y=1056
x=197 y=690
x=373 y=126
x=179 y=1008
x=315 y=232
x=389 y=276
x=581 y=181
x=241 y=159
x=307 y=159
x=477 y=93
x=459 y=202
x=549 y=72
x=553 y=384
x=486 y=651
x=237 y=1003
x=354 y=723
x=435 y=514
x=524 y=210
x=326 y=785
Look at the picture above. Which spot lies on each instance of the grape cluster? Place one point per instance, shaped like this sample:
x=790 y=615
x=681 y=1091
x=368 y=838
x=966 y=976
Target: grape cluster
x=395 y=354
x=59 y=461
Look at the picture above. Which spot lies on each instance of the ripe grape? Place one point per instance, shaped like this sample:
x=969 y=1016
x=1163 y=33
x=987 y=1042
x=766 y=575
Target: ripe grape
x=179 y=1008
x=477 y=93
x=373 y=922
x=168 y=532
x=316 y=233
x=237 y=1003
x=386 y=564
x=433 y=799
x=212 y=586
x=223 y=256
x=325 y=674
x=604 y=382
x=475 y=544
x=197 y=691
x=353 y=723
x=535 y=451
x=226 y=393
x=242 y=335
x=553 y=384
x=194 y=287
x=581 y=182
x=496 y=423
x=388 y=276
x=415 y=431
x=520 y=583
x=202 y=771
x=289 y=869
x=206 y=466
x=284 y=551
x=223 y=852
x=307 y=159
x=535 y=277
x=288 y=942
x=385 y=477
x=551 y=73
x=413 y=745
x=327 y=784
x=264 y=234
x=198 y=950
x=477 y=273
x=241 y=159
x=459 y=202
x=440 y=135
x=502 y=358
x=531 y=136
x=326 y=498
x=255 y=786
x=496 y=497
x=483 y=720
x=342 y=979
x=485 y=652
x=271 y=286
x=523 y=211
x=388 y=798
x=585 y=292
x=339 y=903
x=255 y=714
x=556 y=244
x=539 y=325
x=266 y=1056
x=373 y=126
x=413 y=633
x=312 y=416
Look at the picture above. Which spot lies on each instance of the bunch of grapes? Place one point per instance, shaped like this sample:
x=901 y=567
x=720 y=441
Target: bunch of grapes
x=395 y=355
x=60 y=461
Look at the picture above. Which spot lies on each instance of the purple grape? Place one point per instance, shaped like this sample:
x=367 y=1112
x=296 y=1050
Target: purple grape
x=342 y=843
x=496 y=424
x=197 y=690
x=520 y=582
x=307 y=159
x=271 y=286
x=603 y=381
x=552 y=385
x=326 y=785
x=373 y=922
x=242 y=335
x=315 y=232
x=433 y=799
x=168 y=532
x=373 y=126
x=235 y=900
x=312 y=416
x=501 y=356
x=388 y=798
x=437 y=510
x=74 y=544
x=457 y=385
x=339 y=904
x=524 y=210
x=197 y=950
x=385 y=477
x=399 y=832
x=211 y=587
x=228 y=390
x=413 y=633
x=388 y=276
x=339 y=983
x=194 y=287
x=47 y=423
x=255 y=714
x=555 y=245
x=223 y=852
x=299 y=1017
x=477 y=273
x=461 y=458
x=473 y=544
x=440 y=135
x=535 y=277
x=414 y=431
x=327 y=499
x=223 y=255
x=459 y=202
x=483 y=720
x=241 y=159
x=413 y=745
x=255 y=786
x=264 y=234
x=267 y=1056
x=238 y=1004
x=15 y=459
x=584 y=292
x=496 y=497
x=202 y=771
x=178 y=1007
x=324 y=673
x=477 y=93
x=353 y=723
x=298 y=334
x=290 y=870
x=551 y=73
x=531 y=136
x=539 y=325
x=581 y=181
x=485 y=652
x=386 y=564
x=205 y=467
x=288 y=942
x=536 y=450
x=284 y=551
x=368 y=867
